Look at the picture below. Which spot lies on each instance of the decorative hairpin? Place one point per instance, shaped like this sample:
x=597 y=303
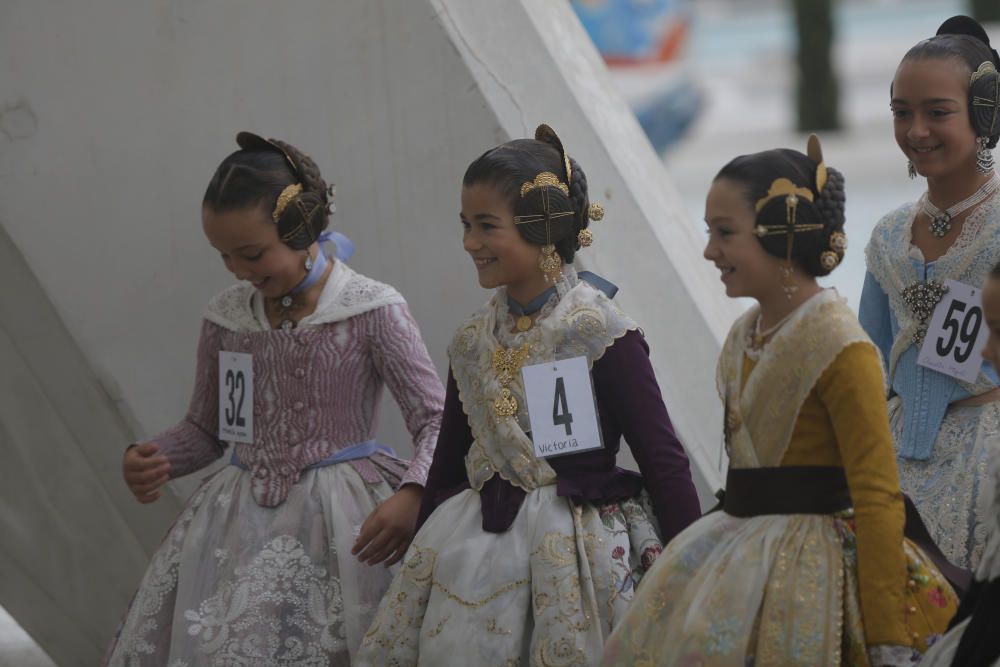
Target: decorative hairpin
x=284 y=199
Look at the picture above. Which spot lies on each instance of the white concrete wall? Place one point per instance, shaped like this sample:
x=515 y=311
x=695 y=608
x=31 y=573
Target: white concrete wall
x=113 y=116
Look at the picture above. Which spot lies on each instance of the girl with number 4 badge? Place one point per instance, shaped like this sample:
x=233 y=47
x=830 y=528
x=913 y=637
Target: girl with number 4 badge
x=258 y=569
x=806 y=563
x=526 y=558
x=945 y=424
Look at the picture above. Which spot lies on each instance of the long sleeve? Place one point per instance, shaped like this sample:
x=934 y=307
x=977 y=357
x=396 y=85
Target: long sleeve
x=851 y=391
x=873 y=313
x=192 y=444
x=629 y=393
x=401 y=359
x=447 y=472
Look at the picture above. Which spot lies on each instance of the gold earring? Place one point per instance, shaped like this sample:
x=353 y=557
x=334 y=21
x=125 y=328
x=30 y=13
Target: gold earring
x=549 y=262
x=788 y=280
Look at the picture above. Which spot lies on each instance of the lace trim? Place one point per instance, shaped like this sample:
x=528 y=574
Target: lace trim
x=890 y=256
x=893 y=656
x=763 y=411
x=346 y=294
x=581 y=322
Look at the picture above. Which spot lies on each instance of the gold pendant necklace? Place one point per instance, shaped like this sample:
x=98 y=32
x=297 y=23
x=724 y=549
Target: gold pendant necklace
x=507 y=362
x=524 y=322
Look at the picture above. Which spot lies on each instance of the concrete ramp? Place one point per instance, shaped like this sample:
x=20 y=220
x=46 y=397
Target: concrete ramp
x=113 y=116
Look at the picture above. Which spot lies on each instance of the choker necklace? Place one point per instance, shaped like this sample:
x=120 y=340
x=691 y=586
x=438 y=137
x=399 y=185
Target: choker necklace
x=524 y=313
x=760 y=336
x=941 y=220
x=288 y=303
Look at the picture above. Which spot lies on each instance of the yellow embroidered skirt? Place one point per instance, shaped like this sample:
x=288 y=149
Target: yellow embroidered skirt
x=546 y=592
x=775 y=590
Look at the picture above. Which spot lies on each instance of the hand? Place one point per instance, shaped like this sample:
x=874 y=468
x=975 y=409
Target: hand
x=144 y=471
x=389 y=529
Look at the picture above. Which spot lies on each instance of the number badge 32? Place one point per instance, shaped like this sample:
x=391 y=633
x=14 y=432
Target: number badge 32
x=561 y=407
x=956 y=333
x=236 y=397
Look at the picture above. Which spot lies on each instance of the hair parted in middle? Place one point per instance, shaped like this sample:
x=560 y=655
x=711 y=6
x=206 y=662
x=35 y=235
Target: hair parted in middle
x=510 y=166
x=264 y=173
x=818 y=235
x=962 y=38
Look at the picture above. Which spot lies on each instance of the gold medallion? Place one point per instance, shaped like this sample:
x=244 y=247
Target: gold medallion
x=524 y=323
x=507 y=362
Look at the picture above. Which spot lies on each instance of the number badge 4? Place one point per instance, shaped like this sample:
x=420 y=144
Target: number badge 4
x=561 y=407
x=236 y=397
x=956 y=333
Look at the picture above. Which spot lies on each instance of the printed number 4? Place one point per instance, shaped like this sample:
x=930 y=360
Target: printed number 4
x=968 y=331
x=234 y=413
x=560 y=408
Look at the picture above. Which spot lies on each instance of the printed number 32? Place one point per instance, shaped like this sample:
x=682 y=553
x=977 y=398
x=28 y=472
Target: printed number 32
x=234 y=413
x=560 y=408
x=967 y=331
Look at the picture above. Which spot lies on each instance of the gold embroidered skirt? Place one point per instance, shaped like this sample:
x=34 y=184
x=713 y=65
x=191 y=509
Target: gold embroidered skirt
x=546 y=592
x=774 y=590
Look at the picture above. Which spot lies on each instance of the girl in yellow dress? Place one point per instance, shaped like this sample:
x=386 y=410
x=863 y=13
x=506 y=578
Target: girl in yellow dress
x=806 y=563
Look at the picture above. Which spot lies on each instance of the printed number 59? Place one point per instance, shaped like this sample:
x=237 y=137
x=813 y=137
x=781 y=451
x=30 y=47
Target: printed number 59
x=967 y=331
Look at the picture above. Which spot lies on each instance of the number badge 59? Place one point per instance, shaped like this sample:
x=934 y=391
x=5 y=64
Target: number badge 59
x=956 y=333
x=561 y=407
x=236 y=397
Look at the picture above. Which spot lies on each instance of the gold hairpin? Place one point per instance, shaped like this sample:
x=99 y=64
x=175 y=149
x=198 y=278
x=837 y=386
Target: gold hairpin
x=287 y=195
x=542 y=180
x=782 y=187
x=525 y=219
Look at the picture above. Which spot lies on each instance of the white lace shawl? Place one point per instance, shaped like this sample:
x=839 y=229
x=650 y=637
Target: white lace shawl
x=346 y=294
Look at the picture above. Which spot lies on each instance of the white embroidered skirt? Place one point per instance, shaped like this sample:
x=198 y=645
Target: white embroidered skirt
x=942 y=653
x=546 y=592
x=946 y=487
x=770 y=591
x=234 y=583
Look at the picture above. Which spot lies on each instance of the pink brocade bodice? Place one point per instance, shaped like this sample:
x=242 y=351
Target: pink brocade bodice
x=316 y=391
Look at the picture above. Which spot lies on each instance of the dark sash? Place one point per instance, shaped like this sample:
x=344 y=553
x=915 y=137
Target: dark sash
x=821 y=490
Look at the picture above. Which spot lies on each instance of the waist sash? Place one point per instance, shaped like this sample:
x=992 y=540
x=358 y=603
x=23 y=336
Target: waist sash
x=821 y=490
x=361 y=450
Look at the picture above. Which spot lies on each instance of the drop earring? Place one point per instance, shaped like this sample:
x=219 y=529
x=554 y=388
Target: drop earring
x=910 y=169
x=984 y=156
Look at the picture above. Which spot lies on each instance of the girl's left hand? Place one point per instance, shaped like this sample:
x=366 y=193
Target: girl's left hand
x=389 y=529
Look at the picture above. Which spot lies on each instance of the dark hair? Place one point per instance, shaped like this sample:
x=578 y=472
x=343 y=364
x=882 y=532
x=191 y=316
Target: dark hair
x=962 y=38
x=757 y=172
x=516 y=162
x=256 y=175
x=995 y=273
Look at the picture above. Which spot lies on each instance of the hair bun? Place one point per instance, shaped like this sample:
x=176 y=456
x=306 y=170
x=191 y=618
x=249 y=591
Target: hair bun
x=966 y=25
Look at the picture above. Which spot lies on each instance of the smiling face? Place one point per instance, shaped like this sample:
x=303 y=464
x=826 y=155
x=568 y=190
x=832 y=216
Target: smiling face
x=747 y=269
x=501 y=255
x=250 y=248
x=931 y=116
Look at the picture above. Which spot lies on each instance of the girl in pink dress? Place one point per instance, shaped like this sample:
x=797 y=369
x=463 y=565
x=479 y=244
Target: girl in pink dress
x=272 y=560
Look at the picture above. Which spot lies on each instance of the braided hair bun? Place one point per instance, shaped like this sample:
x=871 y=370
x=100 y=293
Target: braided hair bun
x=810 y=248
x=511 y=165
x=257 y=175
